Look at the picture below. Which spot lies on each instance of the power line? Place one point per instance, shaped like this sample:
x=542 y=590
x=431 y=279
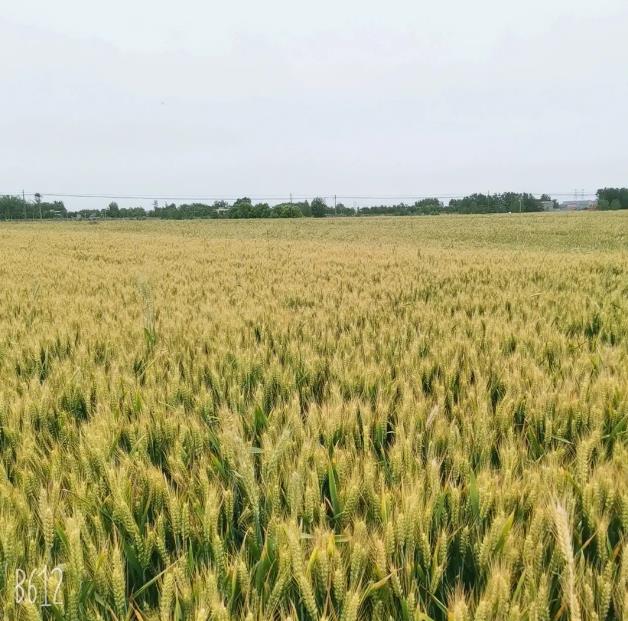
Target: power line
x=149 y=197
x=288 y=198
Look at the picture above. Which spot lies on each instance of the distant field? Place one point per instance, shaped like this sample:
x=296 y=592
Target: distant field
x=388 y=418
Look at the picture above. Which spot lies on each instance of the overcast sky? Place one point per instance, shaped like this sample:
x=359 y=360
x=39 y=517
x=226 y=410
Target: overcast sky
x=397 y=98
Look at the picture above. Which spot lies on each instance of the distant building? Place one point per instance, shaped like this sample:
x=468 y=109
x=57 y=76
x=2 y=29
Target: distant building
x=579 y=205
x=549 y=205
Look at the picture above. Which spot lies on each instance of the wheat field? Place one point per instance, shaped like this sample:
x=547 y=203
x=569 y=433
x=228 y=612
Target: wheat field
x=384 y=418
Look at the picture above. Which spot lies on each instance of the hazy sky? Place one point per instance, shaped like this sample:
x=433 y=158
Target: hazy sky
x=200 y=98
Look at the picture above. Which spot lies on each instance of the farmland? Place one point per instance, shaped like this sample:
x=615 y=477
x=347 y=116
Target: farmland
x=410 y=418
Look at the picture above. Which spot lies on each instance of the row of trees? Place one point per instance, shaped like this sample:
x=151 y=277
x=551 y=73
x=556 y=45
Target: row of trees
x=245 y=208
x=612 y=198
x=241 y=208
x=498 y=203
x=16 y=208
x=424 y=207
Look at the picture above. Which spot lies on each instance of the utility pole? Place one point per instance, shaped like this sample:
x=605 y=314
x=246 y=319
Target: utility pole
x=519 y=203
x=291 y=198
x=335 y=210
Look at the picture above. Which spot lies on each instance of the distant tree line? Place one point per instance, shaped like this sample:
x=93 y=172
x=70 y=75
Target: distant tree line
x=612 y=198
x=497 y=203
x=16 y=208
x=423 y=207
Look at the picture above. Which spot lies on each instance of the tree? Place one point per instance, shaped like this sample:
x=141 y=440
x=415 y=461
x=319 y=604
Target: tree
x=113 y=211
x=242 y=208
x=495 y=203
x=318 y=207
x=261 y=210
x=37 y=197
x=286 y=210
x=614 y=198
x=11 y=207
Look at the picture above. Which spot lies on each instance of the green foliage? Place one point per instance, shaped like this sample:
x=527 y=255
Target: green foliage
x=426 y=206
x=14 y=208
x=113 y=211
x=495 y=203
x=613 y=198
x=286 y=210
x=318 y=207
